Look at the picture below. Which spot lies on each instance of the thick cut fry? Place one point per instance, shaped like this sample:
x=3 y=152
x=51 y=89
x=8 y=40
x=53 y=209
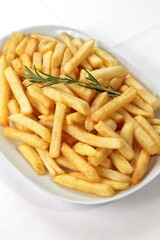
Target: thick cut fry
x=4 y=92
x=63 y=162
x=41 y=44
x=76 y=103
x=95 y=61
x=46 y=123
x=137 y=149
x=75 y=118
x=49 y=162
x=117 y=117
x=32 y=125
x=106 y=131
x=79 y=56
x=143 y=93
x=106 y=163
x=141 y=167
x=46 y=65
x=22 y=46
x=116 y=82
x=24 y=137
x=127 y=132
x=114 y=105
x=138 y=101
x=91 y=139
x=108 y=60
x=84 y=149
x=68 y=139
x=96 y=188
x=55 y=145
x=33 y=158
x=149 y=129
x=121 y=163
x=134 y=110
x=17 y=66
x=43 y=37
x=117 y=186
x=63 y=87
x=26 y=61
x=78 y=175
x=31 y=46
x=48 y=47
x=55 y=72
x=154 y=121
x=101 y=154
x=113 y=175
x=6 y=47
x=156 y=128
x=111 y=123
x=66 y=57
x=38 y=106
x=37 y=61
x=17 y=90
x=58 y=55
x=11 y=50
x=80 y=163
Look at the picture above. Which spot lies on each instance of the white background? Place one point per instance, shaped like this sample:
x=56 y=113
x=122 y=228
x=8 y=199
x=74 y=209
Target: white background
x=133 y=28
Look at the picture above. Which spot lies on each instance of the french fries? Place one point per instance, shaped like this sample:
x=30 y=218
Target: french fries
x=68 y=122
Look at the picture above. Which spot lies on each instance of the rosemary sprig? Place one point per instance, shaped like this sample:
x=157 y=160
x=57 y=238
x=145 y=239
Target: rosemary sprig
x=50 y=80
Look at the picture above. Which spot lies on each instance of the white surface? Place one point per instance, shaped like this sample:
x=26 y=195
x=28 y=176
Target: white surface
x=133 y=27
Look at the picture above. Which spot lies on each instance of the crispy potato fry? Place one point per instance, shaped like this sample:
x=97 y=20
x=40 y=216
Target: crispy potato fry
x=25 y=137
x=84 y=149
x=101 y=154
x=50 y=46
x=106 y=131
x=49 y=162
x=43 y=37
x=66 y=57
x=76 y=103
x=41 y=44
x=32 y=125
x=37 y=61
x=55 y=72
x=63 y=162
x=4 y=92
x=17 y=66
x=113 y=175
x=46 y=62
x=117 y=186
x=79 y=56
x=78 y=175
x=17 y=90
x=57 y=55
x=154 y=121
x=106 y=163
x=33 y=158
x=108 y=60
x=121 y=163
x=137 y=149
x=111 y=123
x=22 y=46
x=156 y=128
x=141 y=167
x=91 y=139
x=26 y=61
x=6 y=47
x=115 y=104
x=55 y=146
x=127 y=132
x=134 y=110
x=64 y=88
x=143 y=93
x=80 y=163
x=82 y=185
x=31 y=47
x=46 y=123
x=75 y=118
x=117 y=117
x=11 y=50
x=95 y=61
x=116 y=82
x=68 y=139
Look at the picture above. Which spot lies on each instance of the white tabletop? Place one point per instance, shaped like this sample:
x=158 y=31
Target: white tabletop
x=133 y=28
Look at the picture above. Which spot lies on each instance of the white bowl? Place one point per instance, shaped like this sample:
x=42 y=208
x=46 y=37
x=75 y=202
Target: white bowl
x=8 y=148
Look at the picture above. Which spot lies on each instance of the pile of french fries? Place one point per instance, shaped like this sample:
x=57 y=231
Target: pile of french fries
x=86 y=140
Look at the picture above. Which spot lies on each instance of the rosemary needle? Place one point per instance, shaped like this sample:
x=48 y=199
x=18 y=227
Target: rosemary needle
x=35 y=77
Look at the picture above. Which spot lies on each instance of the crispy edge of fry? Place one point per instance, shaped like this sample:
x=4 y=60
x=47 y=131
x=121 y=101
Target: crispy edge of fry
x=102 y=153
x=21 y=46
x=58 y=55
x=127 y=132
x=63 y=162
x=108 y=59
x=84 y=149
x=75 y=118
x=31 y=47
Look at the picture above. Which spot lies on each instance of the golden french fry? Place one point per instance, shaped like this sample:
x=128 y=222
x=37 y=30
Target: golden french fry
x=22 y=46
x=49 y=162
x=154 y=121
x=75 y=118
x=137 y=149
x=91 y=139
x=37 y=61
x=32 y=125
x=17 y=66
x=46 y=123
x=111 y=123
x=95 y=61
x=141 y=167
x=6 y=47
x=31 y=47
x=84 y=149
x=46 y=65
x=80 y=163
x=68 y=139
x=58 y=55
x=108 y=60
x=43 y=37
x=79 y=56
x=25 y=137
x=26 y=61
x=33 y=158
x=101 y=154
x=156 y=128
x=78 y=175
x=82 y=185
x=66 y=57
x=41 y=44
x=106 y=163
x=121 y=163
x=11 y=50
x=106 y=131
x=48 y=47
x=55 y=72
x=113 y=175
x=134 y=110
x=64 y=88
x=116 y=82
x=17 y=90
x=4 y=92
x=118 y=186
x=55 y=146
x=127 y=132
x=143 y=92
x=117 y=117
x=76 y=103
x=63 y=162
x=115 y=104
